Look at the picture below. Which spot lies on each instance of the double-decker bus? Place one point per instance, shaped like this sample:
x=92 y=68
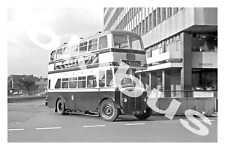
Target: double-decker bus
x=84 y=77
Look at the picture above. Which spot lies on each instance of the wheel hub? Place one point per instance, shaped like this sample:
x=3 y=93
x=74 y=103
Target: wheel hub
x=108 y=110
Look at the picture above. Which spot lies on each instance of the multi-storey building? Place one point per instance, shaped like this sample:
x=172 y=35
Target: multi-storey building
x=180 y=44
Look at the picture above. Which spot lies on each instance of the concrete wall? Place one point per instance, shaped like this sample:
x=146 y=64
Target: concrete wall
x=180 y=21
x=206 y=104
x=205 y=16
x=183 y=19
x=204 y=60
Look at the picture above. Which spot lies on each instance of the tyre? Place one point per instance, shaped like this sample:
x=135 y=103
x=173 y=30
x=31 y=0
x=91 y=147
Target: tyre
x=145 y=115
x=60 y=107
x=108 y=111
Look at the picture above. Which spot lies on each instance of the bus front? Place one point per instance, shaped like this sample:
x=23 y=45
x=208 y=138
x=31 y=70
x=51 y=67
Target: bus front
x=128 y=52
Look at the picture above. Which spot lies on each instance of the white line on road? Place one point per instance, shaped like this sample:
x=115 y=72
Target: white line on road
x=47 y=128
x=92 y=126
x=15 y=129
x=134 y=124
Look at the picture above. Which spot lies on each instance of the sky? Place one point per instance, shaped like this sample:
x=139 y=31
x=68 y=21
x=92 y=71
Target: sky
x=63 y=20
x=30 y=29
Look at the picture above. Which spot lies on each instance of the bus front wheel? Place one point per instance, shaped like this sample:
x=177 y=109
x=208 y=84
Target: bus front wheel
x=144 y=115
x=60 y=107
x=108 y=111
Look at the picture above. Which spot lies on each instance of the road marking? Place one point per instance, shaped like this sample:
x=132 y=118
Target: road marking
x=15 y=129
x=92 y=126
x=134 y=124
x=40 y=104
x=48 y=128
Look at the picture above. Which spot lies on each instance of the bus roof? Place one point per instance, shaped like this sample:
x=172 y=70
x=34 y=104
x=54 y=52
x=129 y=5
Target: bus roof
x=122 y=32
x=99 y=34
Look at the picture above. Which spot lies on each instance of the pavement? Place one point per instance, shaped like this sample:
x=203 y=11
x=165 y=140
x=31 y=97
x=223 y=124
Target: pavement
x=32 y=121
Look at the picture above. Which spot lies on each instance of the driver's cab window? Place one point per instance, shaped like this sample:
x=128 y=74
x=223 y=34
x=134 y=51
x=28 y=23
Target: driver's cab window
x=109 y=78
x=128 y=82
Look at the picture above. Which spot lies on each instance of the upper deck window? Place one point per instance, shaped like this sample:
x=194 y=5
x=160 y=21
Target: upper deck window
x=120 y=41
x=126 y=42
x=103 y=42
x=53 y=56
x=60 y=53
x=83 y=47
x=74 y=50
x=93 y=44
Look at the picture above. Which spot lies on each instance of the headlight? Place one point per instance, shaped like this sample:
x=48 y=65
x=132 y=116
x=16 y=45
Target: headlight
x=145 y=100
x=125 y=99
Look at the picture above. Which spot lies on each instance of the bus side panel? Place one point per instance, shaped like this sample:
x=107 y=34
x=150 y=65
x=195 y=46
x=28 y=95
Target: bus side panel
x=53 y=96
x=80 y=101
x=107 y=95
x=86 y=101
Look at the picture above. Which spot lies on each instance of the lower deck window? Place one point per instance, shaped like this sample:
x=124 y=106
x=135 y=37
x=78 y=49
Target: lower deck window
x=91 y=81
x=73 y=82
x=58 y=84
x=82 y=82
x=65 y=83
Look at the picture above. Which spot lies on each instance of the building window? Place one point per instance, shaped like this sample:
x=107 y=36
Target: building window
x=166 y=45
x=147 y=24
x=149 y=52
x=163 y=47
x=143 y=27
x=205 y=79
x=160 y=48
x=150 y=21
x=169 y=12
x=159 y=16
x=154 y=18
x=135 y=30
x=163 y=14
x=140 y=26
x=204 y=42
x=175 y=10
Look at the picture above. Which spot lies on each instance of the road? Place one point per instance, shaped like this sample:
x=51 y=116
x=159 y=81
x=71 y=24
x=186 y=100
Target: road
x=32 y=121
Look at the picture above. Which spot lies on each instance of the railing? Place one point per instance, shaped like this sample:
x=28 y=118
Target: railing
x=202 y=101
x=180 y=94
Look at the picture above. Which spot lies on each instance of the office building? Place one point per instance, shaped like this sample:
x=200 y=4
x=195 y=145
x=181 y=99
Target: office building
x=180 y=45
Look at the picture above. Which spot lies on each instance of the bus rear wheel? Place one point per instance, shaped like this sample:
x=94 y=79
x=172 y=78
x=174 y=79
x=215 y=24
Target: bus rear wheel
x=145 y=115
x=108 y=111
x=60 y=107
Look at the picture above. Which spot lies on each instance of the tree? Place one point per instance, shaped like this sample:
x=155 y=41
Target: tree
x=28 y=83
